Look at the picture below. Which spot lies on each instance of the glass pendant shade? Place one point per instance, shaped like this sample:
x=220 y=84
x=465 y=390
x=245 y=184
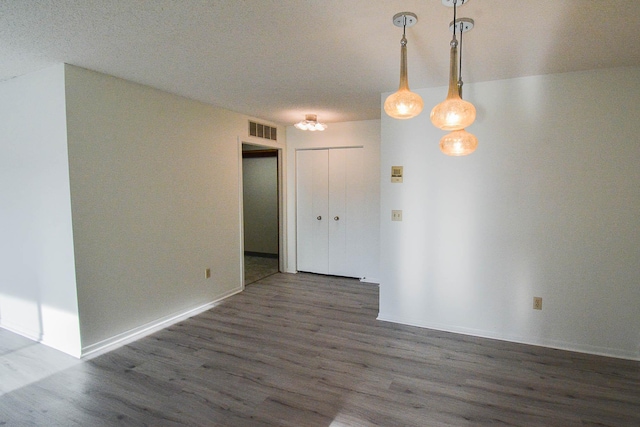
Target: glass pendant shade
x=403 y=104
x=458 y=143
x=454 y=113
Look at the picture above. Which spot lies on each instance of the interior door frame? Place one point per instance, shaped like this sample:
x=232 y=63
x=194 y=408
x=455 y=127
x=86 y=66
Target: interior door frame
x=282 y=198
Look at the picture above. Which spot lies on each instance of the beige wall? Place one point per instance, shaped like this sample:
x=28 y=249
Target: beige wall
x=116 y=198
x=156 y=200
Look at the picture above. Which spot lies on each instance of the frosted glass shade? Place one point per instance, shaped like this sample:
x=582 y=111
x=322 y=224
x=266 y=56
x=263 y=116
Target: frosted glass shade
x=403 y=104
x=458 y=143
x=303 y=125
x=454 y=113
x=311 y=123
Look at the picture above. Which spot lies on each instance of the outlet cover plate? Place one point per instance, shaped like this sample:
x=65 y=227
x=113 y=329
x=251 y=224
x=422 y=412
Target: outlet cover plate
x=537 y=303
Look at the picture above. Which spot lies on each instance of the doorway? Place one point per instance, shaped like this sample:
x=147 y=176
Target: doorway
x=261 y=216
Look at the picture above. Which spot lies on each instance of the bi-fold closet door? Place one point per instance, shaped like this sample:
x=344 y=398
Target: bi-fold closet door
x=329 y=209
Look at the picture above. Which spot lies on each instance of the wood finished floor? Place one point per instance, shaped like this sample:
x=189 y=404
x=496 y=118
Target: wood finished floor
x=305 y=350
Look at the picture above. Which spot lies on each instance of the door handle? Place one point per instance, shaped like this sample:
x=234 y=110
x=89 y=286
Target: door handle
x=319 y=218
x=336 y=218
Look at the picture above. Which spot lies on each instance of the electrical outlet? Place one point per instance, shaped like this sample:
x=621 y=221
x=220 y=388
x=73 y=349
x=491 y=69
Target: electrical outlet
x=207 y=273
x=396 y=215
x=537 y=303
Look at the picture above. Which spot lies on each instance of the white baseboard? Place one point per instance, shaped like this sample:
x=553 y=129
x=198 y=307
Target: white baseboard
x=72 y=349
x=17 y=329
x=134 y=334
x=370 y=280
x=559 y=345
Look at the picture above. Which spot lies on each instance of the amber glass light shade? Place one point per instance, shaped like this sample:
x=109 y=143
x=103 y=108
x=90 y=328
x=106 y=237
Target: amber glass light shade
x=458 y=143
x=454 y=113
x=403 y=104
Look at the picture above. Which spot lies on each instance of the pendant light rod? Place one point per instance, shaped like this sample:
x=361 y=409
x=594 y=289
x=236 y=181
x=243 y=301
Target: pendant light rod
x=453 y=67
x=462 y=25
x=453 y=60
x=460 y=83
x=404 y=20
x=454 y=52
x=455 y=3
x=460 y=64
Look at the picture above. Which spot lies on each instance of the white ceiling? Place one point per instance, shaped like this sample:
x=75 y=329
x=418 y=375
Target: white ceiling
x=280 y=59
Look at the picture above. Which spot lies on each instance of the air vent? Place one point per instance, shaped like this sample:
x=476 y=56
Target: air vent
x=263 y=131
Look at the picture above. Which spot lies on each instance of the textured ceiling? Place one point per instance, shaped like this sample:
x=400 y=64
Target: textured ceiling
x=280 y=59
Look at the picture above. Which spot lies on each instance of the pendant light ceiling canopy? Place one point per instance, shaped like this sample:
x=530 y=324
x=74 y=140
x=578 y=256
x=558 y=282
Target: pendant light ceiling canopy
x=403 y=104
x=311 y=123
x=452 y=3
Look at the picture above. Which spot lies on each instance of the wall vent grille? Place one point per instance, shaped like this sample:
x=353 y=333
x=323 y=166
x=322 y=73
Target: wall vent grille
x=263 y=131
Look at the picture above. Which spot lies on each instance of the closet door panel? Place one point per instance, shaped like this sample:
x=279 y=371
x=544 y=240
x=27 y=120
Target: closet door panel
x=312 y=211
x=339 y=220
x=354 y=212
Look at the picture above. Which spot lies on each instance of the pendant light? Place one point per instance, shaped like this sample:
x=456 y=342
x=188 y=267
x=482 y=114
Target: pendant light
x=453 y=113
x=403 y=104
x=311 y=123
x=459 y=142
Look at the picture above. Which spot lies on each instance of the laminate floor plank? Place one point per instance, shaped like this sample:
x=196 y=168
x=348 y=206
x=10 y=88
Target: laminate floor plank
x=306 y=350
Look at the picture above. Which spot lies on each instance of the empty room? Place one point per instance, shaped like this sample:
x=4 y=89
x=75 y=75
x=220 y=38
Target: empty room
x=319 y=213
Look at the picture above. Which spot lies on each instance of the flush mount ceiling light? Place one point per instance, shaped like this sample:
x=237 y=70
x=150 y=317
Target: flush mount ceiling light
x=403 y=104
x=311 y=123
x=454 y=113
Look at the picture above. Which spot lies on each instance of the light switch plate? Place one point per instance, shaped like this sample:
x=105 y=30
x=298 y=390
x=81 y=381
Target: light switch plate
x=396 y=215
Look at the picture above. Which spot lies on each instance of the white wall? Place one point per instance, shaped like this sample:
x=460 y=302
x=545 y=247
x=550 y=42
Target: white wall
x=260 y=184
x=37 y=285
x=156 y=200
x=364 y=134
x=547 y=206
